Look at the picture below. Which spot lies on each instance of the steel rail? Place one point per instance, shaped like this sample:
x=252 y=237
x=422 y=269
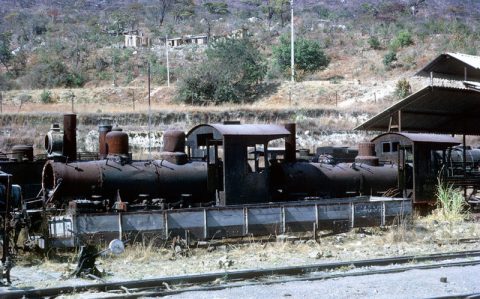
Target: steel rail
x=157 y=293
x=235 y=275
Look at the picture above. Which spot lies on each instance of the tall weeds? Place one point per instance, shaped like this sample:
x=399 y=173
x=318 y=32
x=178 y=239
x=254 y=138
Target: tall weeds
x=451 y=205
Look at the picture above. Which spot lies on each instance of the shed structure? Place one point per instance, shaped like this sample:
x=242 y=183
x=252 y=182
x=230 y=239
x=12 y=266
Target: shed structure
x=449 y=105
x=420 y=158
x=234 y=147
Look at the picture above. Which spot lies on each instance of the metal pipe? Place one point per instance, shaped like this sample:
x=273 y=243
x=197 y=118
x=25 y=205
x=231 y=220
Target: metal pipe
x=102 y=141
x=70 y=136
x=290 y=143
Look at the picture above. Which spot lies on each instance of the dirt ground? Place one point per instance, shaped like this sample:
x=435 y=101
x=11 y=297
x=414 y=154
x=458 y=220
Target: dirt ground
x=139 y=261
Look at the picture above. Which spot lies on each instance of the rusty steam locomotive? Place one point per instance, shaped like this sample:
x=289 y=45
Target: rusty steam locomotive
x=213 y=164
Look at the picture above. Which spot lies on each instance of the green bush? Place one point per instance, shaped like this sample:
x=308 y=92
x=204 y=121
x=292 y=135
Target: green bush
x=374 y=42
x=403 y=39
x=46 y=97
x=231 y=72
x=309 y=56
x=389 y=58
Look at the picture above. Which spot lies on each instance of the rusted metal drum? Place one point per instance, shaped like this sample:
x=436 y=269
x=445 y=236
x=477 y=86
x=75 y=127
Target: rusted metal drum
x=117 y=142
x=174 y=141
x=102 y=140
x=22 y=152
x=366 y=154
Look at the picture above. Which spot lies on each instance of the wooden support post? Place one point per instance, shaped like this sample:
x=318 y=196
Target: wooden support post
x=399 y=120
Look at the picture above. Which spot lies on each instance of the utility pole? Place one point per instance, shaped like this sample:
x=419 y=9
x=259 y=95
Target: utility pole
x=292 y=40
x=168 y=65
x=149 y=117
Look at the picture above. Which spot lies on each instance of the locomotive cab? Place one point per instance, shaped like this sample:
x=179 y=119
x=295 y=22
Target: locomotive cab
x=237 y=157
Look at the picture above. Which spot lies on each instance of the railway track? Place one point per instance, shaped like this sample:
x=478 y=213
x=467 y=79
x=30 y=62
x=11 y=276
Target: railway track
x=202 y=282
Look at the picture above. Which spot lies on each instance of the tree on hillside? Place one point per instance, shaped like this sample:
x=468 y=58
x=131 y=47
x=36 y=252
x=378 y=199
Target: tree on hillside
x=231 y=72
x=163 y=7
x=278 y=8
x=5 y=52
x=309 y=56
x=213 y=10
x=183 y=9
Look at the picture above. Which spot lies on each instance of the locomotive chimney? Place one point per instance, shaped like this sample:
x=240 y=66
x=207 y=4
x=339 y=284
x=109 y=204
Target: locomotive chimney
x=366 y=154
x=102 y=140
x=290 y=143
x=70 y=136
x=174 y=147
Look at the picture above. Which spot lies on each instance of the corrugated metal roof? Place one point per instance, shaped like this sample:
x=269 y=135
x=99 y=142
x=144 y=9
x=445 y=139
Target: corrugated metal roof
x=453 y=65
x=251 y=130
x=433 y=109
x=425 y=138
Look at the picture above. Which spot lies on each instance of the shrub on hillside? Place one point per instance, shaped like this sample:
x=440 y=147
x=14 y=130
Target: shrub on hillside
x=403 y=88
x=53 y=74
x=46 y=97
x=389 y=58
x=230 y=73
x=374 y=42
x=309 y=56
x=403 y=39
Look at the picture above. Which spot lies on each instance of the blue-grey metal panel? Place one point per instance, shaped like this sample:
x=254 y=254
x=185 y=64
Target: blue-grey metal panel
x=334 y=212
x=368 y=214
x=225 y=223
x=143 y=222
x=398 y=208
x=184 y=220
x=299 y=218
x=264 y=221
x=91 y=224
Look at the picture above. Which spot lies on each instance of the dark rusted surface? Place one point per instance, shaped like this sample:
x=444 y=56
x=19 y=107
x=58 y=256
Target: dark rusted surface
x=70 y=136
x=157 y=179
x=117 y=142
x=366 y=154
x=22 y=152
x=102 y=140
x=317 y=179
x=174 y=141
x=290 y=143
x=174 y=157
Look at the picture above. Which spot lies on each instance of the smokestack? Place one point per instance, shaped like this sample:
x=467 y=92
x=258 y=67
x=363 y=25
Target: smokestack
x=291 y=143
x=102 y=140
x=70 y=136
x=366 y=154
